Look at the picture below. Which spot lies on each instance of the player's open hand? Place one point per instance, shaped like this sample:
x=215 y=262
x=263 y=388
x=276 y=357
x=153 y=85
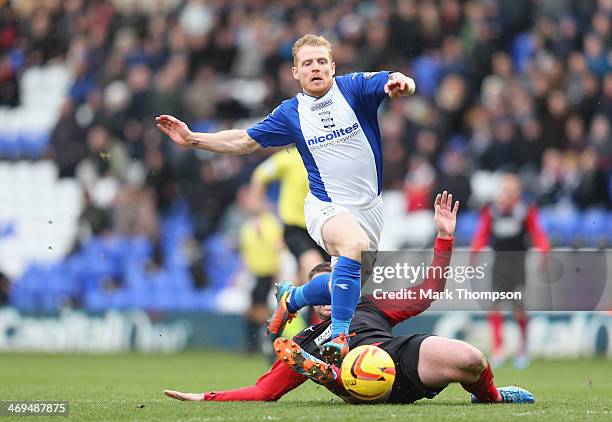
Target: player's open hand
x=445 y=216
x=178 y=395
x=399 y=86
x=175 y=129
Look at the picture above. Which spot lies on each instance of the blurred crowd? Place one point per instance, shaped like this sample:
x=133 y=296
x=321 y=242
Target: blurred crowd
x=501 y=85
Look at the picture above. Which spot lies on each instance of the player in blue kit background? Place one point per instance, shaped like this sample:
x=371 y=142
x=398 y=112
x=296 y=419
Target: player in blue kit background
x=334 y=125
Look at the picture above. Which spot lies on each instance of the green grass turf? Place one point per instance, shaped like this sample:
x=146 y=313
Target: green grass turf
x=129 y=387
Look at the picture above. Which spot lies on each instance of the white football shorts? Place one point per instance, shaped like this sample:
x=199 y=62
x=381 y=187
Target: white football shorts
x=369 y=217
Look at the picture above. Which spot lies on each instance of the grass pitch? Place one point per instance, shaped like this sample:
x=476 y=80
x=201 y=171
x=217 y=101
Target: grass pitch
x=129 y=387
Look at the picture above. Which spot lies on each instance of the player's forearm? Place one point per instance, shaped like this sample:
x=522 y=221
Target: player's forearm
x=252 y=393
x=435 y=279
x=271 y=386
x=398 y=310
x=231 y=142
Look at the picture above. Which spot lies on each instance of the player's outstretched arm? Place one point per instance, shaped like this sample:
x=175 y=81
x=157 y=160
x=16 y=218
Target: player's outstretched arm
x=445 y=217
x=233 y=141
x=399 y=85
x=271 y=386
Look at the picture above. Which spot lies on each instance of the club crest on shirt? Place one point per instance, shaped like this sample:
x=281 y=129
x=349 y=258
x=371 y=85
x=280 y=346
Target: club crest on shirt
x=327 y=119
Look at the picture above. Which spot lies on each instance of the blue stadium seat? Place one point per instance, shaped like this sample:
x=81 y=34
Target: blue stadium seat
x=164 y=299
x=139 y=298
x=7 y=228
x=133 y=251
x=608 y=227
x=118 y=299
x=185 y=301
x=50 y=301
x=221 y=261
x=33 y=145
x=9 y=146
x=567 y=227
x=60 y=280
x=179 y=279
x=22 y=297
x=593 y=227
x=203 y=300
x=549 y=222
x=135 y=278
x=547 y=219
x=95 y=301
x=176 y=227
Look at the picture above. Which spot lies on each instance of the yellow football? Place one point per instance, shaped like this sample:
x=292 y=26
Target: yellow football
x=368 y=373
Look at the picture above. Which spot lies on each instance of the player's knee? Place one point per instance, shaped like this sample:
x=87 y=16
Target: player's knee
x=353 y=246
x=472 y=361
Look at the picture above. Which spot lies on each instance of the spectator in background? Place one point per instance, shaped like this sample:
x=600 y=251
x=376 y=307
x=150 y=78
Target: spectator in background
x=554 y=120
x=135 y=211
x=393 y=130
x=427 y=145
x=595 y=55
x=452 y=99
x=67 y=147
x=605 y=106
x=453 y=175
x=542 y=66
x=503 y=152
x=9 y=86
x=591 y=189
x=138 y=109
x=505 y=226
x=162 y=178
x=169 y=86
x=209 y=187
x=466 y=55
x=552 y=181
x=5 y=289
x=261 y=242
x=286 y=166
x=94 y=220
x=575 y=133
x=404 y=35
x=105 y=157
x=531 y=148
x=600 y=138
x=419 y=183
x=591 y=97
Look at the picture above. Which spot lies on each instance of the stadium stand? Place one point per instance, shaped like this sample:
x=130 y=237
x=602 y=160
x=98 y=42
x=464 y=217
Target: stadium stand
x=99 y=211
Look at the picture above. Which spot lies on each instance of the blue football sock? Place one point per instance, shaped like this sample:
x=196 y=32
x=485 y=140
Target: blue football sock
x=315 y=292
x=346 y=289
